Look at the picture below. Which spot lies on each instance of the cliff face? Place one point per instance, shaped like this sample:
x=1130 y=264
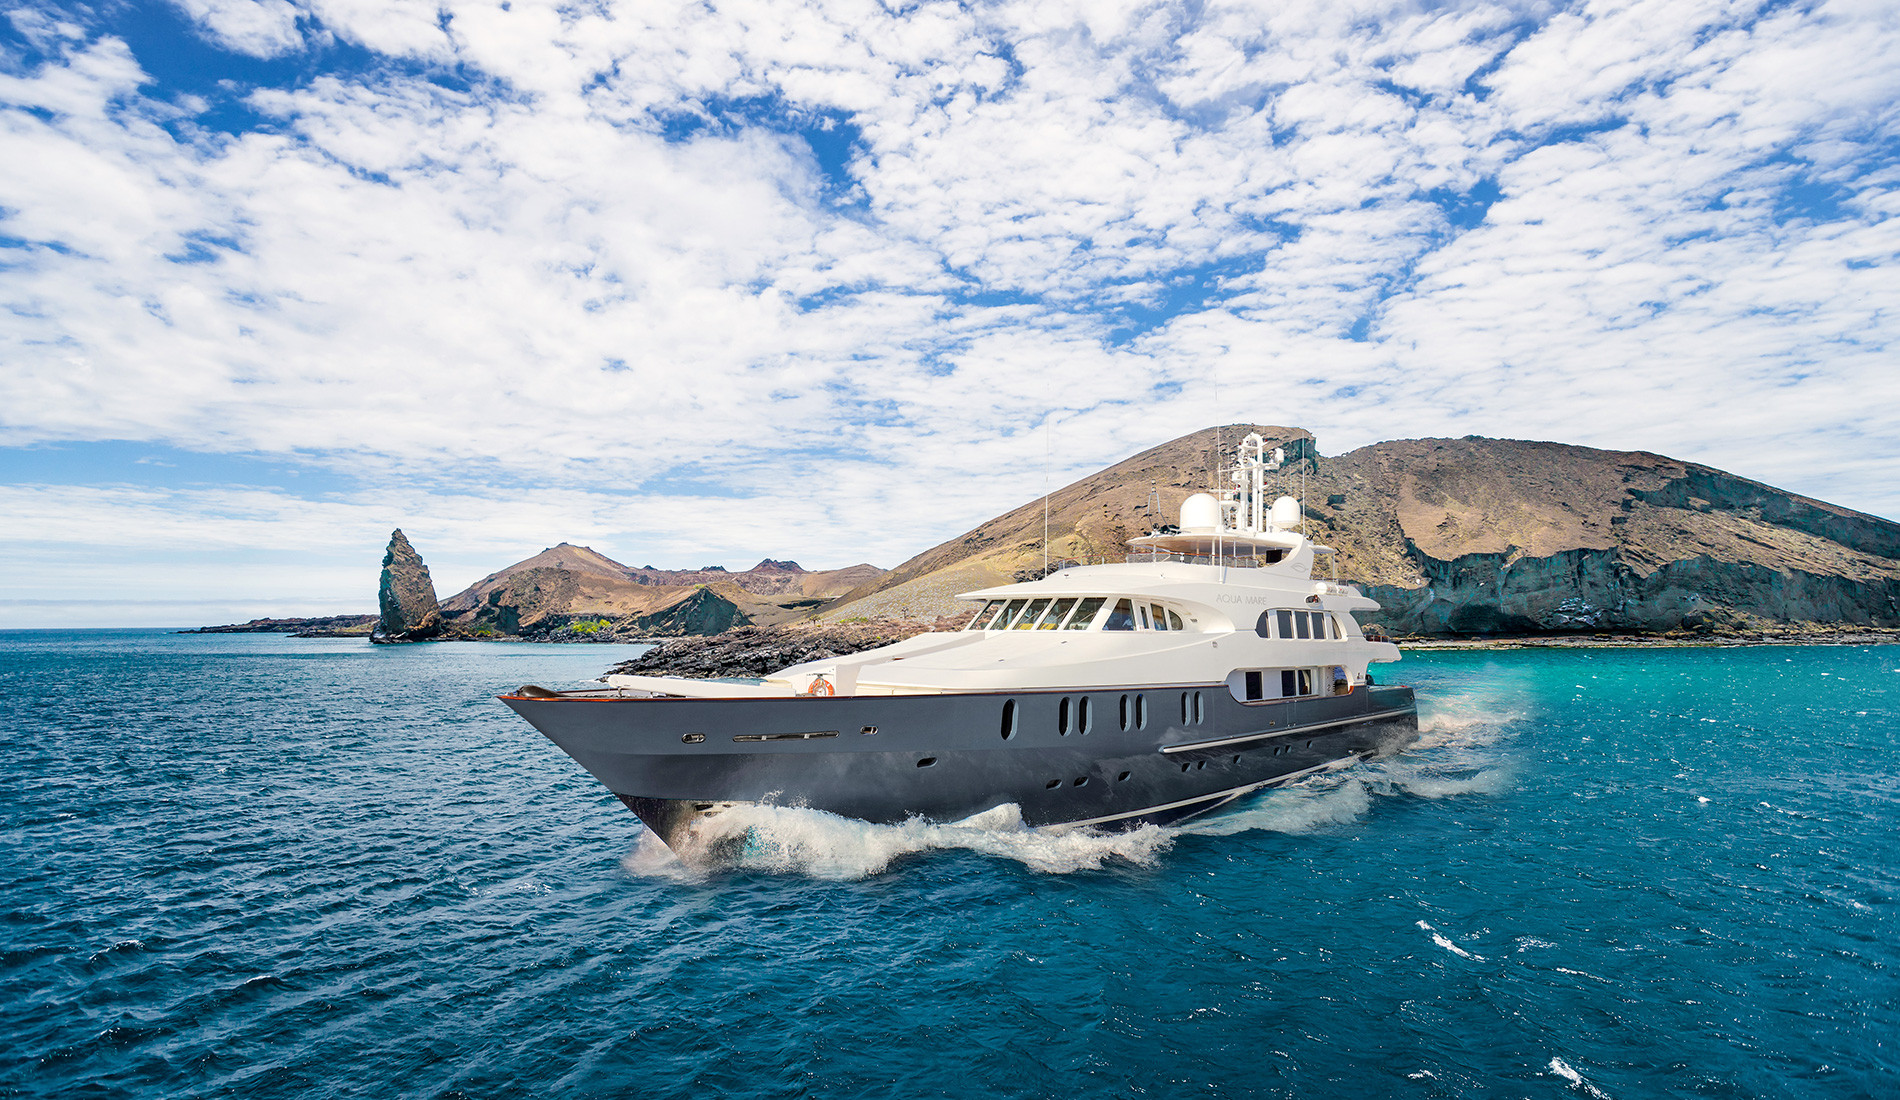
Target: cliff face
x=1466 y=536
x=406 y=596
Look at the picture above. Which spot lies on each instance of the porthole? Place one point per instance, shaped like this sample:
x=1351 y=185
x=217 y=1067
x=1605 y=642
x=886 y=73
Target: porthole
x=1186 y=714
x=1082 y=721
x=1123 y=716
x=868 y=731
x=692 y=738
x=1199 y=764
x=1081 y=780
x=1122 y=778
x=1141 y=712
x=1052 y=784
x=1185 y=767
x=1200 y=715
x=1236 y=759
x=926 y=762
x=1062 y=716
x=1009 y=719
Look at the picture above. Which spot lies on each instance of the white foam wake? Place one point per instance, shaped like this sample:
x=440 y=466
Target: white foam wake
x=790 y=840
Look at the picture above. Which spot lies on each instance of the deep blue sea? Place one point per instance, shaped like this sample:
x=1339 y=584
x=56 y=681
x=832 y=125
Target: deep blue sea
x=257 y=866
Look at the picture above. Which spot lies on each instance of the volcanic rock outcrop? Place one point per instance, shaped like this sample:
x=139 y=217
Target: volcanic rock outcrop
x=406 y=596
x=1475 y=536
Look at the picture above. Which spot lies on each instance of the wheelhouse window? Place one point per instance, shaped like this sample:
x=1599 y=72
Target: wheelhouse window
x=1085 y=613
x=1122 y=617
x=1010 y=611
x=983 y=617
x=1030 y=614
x=1058 y=611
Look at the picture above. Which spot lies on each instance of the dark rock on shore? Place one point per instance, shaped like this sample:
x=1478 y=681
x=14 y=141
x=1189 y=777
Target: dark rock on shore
x=761 y=650
x=406 y=595
x=326 y=626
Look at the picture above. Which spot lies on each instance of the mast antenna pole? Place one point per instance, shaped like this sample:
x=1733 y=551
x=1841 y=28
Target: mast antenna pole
x=1048 y=451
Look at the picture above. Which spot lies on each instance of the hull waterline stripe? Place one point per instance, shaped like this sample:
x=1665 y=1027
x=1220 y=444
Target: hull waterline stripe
x=1291 y=730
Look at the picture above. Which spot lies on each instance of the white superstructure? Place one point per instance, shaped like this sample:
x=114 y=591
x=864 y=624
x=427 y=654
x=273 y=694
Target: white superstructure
x=1228 y=597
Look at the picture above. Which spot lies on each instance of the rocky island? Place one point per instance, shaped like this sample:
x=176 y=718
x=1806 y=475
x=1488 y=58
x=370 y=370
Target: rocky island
x=1459 y=540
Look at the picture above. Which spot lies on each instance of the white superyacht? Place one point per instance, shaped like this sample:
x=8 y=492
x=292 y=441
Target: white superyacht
x=1210 y=664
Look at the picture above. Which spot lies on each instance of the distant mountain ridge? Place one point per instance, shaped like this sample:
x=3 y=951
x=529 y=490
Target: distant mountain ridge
x=564 y=583
x=1473 y=535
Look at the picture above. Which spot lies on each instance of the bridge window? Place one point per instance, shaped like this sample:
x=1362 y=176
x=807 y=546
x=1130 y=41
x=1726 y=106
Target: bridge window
x=1160 y=616
x=1001 y=622
x=1057 y=611
x=984 y=616
x=1122 y=618
x=1085 y=613
x=1030 y=614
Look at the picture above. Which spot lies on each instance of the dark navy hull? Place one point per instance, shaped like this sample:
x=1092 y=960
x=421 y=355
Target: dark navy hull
x=1153 y=755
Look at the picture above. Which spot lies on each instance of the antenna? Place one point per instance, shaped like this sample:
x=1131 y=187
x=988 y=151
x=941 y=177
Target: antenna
x=1047 y=451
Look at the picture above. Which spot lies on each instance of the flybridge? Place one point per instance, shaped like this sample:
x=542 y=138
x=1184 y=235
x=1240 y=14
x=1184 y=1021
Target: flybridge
x=1238 y=527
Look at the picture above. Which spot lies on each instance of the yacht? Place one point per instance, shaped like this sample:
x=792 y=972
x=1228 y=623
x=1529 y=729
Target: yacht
x=1208 y=665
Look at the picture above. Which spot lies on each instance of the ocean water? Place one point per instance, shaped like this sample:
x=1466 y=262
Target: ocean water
x=268 y=867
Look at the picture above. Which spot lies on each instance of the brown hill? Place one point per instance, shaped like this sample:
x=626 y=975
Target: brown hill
x=1477 y=536
x=565 y=584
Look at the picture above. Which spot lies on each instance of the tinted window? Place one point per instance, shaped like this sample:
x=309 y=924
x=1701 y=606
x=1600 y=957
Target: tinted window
x=1288 y=684
x=1174 y=621
x=984 y=616
x=1085 y=613
x=1002 y=621
x=1056 y=612
x=1028 y=618
x=1122 y=618
x=1286 y=623
x=1253 y=684
x=1301 y=623
x=1160 y=616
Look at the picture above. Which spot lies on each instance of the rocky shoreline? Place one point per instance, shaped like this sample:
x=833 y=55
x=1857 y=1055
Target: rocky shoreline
x=327 y=626
x=757 y=651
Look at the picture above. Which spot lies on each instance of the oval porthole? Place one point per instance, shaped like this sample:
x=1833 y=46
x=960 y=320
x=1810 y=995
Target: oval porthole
x=926 y=762
x=1200 y=714
x=1123 y=715
x=1081 y=780
x=1052 y=784
x=1141 y=712
x=1186 y=714
x=1082 y=721
x=1062 y=716
x=1009 y=719
x=692 y=738
x=1122 y=778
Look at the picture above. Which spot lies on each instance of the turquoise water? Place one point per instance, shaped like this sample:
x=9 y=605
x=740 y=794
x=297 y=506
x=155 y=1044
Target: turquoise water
x=269 y=867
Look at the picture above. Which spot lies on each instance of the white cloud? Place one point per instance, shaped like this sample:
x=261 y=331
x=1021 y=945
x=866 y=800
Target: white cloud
x=532 y=276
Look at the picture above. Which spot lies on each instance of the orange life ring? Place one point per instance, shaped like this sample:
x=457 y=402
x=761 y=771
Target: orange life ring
x=820 y=686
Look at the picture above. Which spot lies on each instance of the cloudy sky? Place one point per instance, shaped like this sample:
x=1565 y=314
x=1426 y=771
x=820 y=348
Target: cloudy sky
x=700 y=283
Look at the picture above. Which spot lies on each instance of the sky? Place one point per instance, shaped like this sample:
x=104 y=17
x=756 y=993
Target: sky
x=703 y=283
